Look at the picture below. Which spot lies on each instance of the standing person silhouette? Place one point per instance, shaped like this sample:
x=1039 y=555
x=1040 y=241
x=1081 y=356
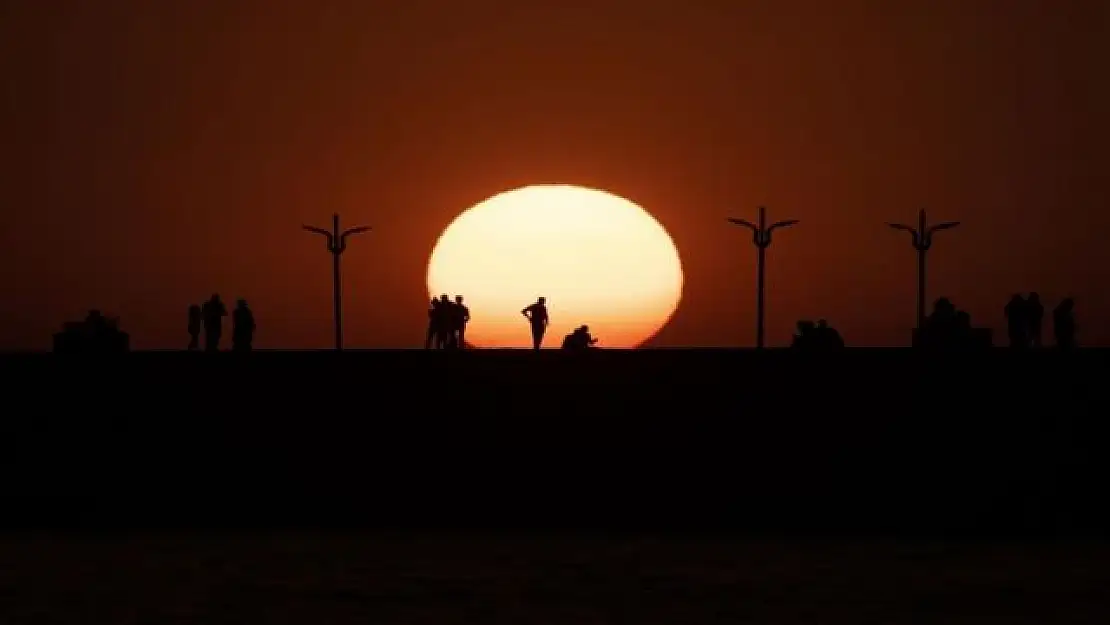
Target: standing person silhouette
x=242 y=327
x=462 y=317
x=433 y=320
x=536 y=314
x=1034 y=310
x=194 y=327
x=213 y=313
x=1063 y=324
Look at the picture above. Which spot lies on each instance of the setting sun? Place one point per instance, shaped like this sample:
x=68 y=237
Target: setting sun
x=599 y=259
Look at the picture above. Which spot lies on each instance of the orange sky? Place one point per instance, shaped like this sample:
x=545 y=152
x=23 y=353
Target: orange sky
x=155 y=152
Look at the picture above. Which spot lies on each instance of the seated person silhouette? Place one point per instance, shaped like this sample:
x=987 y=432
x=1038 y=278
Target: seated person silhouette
x=805 y=336
x=940 y=324
x=826 y=336
x=816 y=336
x=949 y=327
x=96 y=333
x=579 y=339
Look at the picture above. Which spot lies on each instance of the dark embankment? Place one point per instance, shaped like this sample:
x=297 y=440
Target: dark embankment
x=863 y=441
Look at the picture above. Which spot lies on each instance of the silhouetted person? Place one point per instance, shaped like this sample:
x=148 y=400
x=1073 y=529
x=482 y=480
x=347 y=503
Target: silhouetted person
x=950 y=328
x=460 y=316
x=194 y=327
x=1034 y=311
x=242 y=327
x=444 y=313
x=213 y=313
x=826 y=336
x=96 y=327
x=939 y=325
x=1017 y=321
x=944 y=313
x=1063 y=324
x=433 y=319
x=96 y=333
x=536 y=314
x=579 y=339
x=805 y=336
x=961 y=329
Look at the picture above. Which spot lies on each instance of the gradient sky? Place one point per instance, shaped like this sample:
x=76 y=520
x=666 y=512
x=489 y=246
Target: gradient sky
x=155 y=152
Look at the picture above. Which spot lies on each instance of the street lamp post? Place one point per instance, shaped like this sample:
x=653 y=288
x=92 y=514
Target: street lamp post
x=761 y=236
x=337 y=243
x=922 y=237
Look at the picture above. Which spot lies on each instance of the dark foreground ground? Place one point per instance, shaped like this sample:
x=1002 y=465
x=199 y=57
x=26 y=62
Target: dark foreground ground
x=665 y=487
x=864 y=442
x=385 y=579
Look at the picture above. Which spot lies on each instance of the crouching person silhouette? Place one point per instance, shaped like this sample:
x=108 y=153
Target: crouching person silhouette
x=579 y=339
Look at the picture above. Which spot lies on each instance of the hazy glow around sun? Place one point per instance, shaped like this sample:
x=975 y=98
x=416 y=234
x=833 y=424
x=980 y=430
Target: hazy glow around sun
x=599 y=259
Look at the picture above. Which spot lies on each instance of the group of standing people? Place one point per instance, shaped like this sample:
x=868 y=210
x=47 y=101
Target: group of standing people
x=211 y=315
x=1025 y=319
x=447 y=323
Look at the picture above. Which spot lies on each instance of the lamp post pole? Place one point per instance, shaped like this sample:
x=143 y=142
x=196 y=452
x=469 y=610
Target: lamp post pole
x=337 y=244
x=761 y=236
x=922 y=239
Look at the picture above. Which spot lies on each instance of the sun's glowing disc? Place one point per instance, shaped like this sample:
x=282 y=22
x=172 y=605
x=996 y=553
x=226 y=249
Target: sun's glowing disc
x=599 y=259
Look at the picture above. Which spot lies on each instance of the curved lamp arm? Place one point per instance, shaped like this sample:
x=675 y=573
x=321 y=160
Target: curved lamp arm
x=744 y=222
x=317 y=230
x=943 y=226
x=358 y=230
x=329 y=238
x=913 y=232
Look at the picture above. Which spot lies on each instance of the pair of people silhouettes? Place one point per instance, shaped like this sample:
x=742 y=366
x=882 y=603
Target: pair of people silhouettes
x=949 y=327
x=1025 y=318
x=538 y=318
x=211 y=315
x=818 y=335
x=447 y=323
